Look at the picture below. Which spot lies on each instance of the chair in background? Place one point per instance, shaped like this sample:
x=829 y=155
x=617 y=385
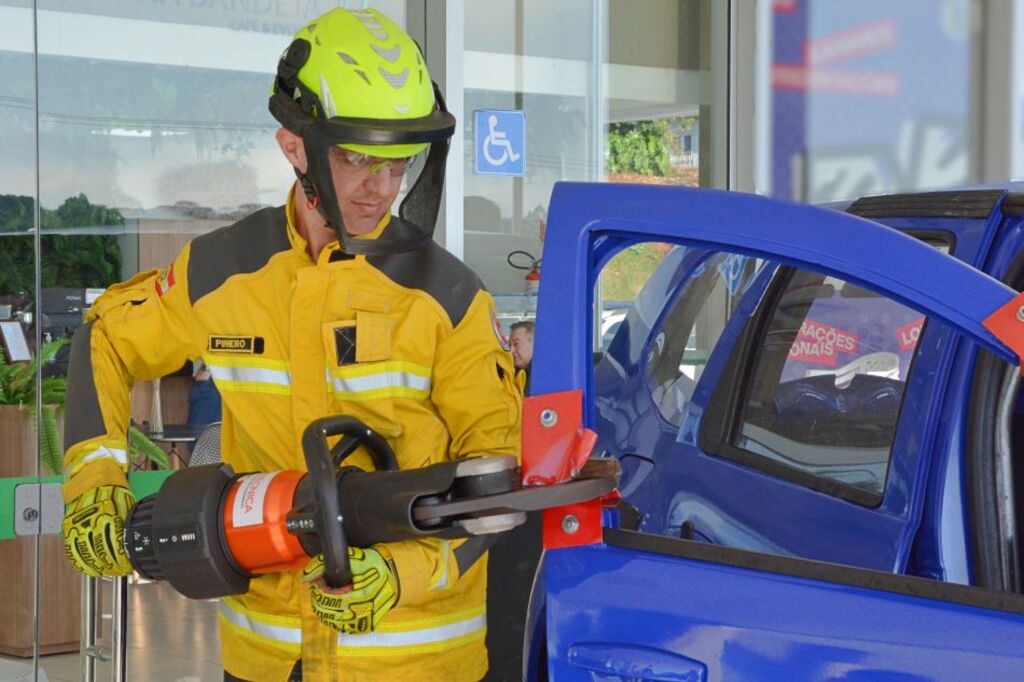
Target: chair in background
x=207 y=446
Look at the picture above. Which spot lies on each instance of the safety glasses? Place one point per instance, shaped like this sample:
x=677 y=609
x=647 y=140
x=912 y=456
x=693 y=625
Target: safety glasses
x=361 y=166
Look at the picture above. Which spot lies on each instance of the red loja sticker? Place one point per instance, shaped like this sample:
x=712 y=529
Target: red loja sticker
x=908 y=334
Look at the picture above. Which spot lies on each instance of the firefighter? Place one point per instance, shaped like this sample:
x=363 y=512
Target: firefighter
x=328 y=305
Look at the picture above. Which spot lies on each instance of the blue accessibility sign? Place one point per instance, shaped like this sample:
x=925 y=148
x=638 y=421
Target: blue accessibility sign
x=500 y=142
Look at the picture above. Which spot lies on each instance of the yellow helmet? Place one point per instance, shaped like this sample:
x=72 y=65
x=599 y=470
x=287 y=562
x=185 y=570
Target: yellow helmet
x=355 y=79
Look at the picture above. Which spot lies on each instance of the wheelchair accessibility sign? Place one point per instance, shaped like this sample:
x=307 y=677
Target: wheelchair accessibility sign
x=500 y=138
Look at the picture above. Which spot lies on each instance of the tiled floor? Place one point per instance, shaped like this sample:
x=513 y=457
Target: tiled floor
x=170 y=639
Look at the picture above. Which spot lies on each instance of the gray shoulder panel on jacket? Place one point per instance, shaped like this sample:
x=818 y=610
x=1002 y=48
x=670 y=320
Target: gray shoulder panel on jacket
x=82 y=417
x=433 y=270
x=236 y=249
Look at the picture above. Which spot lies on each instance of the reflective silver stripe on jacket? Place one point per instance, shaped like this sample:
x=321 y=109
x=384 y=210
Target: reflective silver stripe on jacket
x=374 y=381
x=236 y=615
x=386 y=641
x=117 y=454
x=408 y=638
x=250 y=377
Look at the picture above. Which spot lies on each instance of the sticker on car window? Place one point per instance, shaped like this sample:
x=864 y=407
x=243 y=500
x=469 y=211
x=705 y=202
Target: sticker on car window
x=819 y=343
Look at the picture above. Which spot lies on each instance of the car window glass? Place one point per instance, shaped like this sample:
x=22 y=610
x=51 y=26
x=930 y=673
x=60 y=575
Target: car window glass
x=683 y=339
x=827 y=386
x=629 y=276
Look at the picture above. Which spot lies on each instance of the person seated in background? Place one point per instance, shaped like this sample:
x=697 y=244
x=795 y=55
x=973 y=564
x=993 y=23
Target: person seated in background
x=521 y=340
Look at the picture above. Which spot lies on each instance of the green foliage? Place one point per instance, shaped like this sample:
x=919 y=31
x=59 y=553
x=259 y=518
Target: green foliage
x=17 y=380
x=86 y=260
x=16 y=213
x=639 y=147
x=627 y=272
x=18 y=387
x=140 y=444
x=17 y=265
x=51 y=449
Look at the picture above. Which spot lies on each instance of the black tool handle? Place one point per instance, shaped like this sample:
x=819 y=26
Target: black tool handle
x=319 y=462
x=357 y=433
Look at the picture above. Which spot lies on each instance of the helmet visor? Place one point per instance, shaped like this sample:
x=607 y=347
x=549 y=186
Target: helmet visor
x=333 y=164
x=382 y=139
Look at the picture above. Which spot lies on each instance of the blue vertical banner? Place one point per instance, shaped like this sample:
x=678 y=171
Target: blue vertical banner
x=789 y=104
x=869 y=97
x=500 y=142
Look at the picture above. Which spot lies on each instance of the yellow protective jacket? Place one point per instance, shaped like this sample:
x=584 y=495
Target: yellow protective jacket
x=407 y=342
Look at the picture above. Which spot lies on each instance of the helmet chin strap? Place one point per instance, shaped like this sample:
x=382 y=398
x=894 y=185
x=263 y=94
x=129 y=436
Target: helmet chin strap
x=313 y=201
x=312 y=198
x=349 y=244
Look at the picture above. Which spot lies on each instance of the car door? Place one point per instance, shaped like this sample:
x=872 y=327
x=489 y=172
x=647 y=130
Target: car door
x=853 y=404
x=641 y=606
x=645 y=607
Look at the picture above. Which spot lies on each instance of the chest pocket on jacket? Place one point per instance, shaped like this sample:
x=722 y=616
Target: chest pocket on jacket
x=362 y=377
x=365 y=339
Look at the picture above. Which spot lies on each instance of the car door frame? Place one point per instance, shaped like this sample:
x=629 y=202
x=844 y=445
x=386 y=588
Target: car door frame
x=590 y=222
x=878 y=539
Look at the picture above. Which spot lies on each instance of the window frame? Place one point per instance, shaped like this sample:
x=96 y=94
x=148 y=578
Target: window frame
x=672 y=302
x=985 y=507
x=723 y=418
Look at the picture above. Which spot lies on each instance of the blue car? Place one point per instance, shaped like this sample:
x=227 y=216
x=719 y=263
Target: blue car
x=817 y=415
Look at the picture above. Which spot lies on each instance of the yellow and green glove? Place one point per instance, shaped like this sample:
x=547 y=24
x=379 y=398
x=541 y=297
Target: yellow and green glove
x=359 y=608
x=94 y=531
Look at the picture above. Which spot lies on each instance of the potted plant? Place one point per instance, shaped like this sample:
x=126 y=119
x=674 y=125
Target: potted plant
x=17 y=389
x=59 y=584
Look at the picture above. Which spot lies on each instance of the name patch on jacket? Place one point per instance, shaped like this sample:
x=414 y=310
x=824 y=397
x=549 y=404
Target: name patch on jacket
x=236 y=344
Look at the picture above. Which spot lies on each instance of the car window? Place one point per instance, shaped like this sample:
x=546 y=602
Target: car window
x=611 y=320
x=827 y=385
x=684 y=337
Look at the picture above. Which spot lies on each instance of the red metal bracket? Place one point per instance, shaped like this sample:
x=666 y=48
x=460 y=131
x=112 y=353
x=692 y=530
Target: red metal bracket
x=573 y=525
x=555 y=448
x=555 y=444
x=1007 y=324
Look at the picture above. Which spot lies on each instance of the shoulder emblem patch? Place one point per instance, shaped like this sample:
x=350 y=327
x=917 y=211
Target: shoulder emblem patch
x=165 y=281
x=502 y=339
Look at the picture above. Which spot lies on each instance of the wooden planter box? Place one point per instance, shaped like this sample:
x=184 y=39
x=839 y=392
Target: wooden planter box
x=59 y=584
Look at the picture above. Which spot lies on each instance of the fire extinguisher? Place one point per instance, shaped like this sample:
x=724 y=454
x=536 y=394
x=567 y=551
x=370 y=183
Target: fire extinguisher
x=524 y=260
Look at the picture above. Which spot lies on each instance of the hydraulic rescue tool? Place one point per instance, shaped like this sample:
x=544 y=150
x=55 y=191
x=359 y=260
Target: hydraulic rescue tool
x=208 y=531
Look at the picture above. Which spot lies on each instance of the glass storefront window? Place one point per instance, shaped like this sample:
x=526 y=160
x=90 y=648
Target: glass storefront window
x=610 y=91
x=152 y=129
x=20 y=553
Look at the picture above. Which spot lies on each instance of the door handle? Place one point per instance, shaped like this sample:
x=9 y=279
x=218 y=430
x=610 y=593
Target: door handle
x=634 y=662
